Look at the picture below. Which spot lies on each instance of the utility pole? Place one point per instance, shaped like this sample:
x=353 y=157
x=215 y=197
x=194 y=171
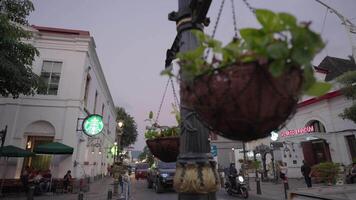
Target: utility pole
x=196 y=176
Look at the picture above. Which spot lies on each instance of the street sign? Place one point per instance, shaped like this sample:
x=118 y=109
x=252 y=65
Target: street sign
x=93 y=125
x=214 y=150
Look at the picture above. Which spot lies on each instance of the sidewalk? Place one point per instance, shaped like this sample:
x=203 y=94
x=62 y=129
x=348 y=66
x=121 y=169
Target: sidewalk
x=98 y=191
x=274 y=191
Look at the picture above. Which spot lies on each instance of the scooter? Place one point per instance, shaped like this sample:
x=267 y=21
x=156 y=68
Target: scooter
x=238 y=189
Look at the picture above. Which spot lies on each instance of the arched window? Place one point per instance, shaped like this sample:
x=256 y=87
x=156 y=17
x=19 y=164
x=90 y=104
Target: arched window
x=317 y=125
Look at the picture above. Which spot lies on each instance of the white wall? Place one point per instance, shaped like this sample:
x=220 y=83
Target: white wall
x=63 y=110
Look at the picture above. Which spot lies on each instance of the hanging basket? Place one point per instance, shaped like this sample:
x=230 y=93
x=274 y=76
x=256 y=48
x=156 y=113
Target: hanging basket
x=244 y=101
x=165 y=148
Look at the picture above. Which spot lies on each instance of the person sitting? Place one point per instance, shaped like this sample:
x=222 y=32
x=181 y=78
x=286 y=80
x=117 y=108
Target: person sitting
x=45 y=181
x=67 y=180
x=35 y=179
x=232 y=175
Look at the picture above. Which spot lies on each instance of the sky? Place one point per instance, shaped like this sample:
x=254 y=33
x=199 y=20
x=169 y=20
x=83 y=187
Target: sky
x=132 y=37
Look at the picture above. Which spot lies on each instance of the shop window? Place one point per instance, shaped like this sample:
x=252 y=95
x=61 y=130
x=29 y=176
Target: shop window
x=38 y=162
x=50 y=75
x=317 y=125
x=316 y=151
x=351 y=141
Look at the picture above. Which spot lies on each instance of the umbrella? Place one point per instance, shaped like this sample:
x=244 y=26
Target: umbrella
x=12 y=151
x=53 y=148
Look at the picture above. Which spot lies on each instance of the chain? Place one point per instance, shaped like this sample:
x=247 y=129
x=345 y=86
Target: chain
x=234 y=18
x=253 y=10
x=175 y=94
x=160 y=105
x=216 y=25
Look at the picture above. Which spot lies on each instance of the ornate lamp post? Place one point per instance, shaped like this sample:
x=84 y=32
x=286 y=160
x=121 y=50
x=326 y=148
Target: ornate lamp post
x=120 y=125
x=196 y=176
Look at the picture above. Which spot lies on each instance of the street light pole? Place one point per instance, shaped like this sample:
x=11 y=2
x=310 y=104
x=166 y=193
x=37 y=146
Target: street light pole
x=196 y=177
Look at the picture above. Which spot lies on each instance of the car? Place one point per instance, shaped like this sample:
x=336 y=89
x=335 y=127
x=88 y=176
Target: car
x=141 y=171
x=160 y=176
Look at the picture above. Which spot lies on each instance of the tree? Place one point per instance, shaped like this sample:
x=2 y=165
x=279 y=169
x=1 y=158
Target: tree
x=129 y=131
x=16 y=55
x=348 y=80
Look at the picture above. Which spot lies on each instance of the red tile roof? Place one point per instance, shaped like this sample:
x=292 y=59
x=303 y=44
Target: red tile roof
x=329 y=95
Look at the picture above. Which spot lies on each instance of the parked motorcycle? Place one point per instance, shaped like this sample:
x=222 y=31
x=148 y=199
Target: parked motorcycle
x=236 y=187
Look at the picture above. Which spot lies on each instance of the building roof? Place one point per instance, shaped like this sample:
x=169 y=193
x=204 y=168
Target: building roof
x=61 y=30
x=334 y=67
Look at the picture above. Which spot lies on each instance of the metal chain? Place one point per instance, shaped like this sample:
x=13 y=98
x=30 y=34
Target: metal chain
x=160 y=106
x=234 y=18
x=253 y=10
x=215 y=26
x=175 y=94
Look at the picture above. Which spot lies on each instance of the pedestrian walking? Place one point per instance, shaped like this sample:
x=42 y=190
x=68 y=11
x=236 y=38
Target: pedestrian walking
x=306 y=172
x=283 y=170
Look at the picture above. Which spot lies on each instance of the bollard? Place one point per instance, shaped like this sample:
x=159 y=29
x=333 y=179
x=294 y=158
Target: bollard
x=258 y=185
x=109 y=194
x=80 y=196
x=286 y=187
x=30 y=192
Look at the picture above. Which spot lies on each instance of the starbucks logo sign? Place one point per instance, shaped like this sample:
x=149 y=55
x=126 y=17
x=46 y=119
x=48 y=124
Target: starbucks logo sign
x=93 y=125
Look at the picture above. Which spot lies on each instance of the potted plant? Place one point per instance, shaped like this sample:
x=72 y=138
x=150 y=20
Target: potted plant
x=163 y=141
x=252 y=85
x=326 y=172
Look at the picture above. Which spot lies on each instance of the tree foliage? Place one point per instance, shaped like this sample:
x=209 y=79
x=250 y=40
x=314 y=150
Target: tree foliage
x=348 y=80
x=129 y=134
x=16 y=56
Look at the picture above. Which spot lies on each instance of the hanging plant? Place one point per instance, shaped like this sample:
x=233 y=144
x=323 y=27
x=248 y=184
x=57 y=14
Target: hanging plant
x=163 y=141
x=252 y=85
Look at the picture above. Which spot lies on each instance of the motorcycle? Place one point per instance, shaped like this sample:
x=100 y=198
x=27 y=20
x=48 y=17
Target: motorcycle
x=236 y=188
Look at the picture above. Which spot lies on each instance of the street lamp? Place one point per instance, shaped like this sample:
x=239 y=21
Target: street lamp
x=120 y=125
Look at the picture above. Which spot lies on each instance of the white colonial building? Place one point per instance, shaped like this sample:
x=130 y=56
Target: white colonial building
x=75 y=87
x=316 y=133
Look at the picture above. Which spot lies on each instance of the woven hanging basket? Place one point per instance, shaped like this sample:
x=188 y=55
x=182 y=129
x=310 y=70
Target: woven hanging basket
x=244 y=101
x=166 y=148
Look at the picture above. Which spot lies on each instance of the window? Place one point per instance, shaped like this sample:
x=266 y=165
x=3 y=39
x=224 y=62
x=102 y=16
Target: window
x=318 y=126
x=50 y=75
x=38 y=162
x=352 y=145
x=95 y=101
x=102 y=110
x=86 y=92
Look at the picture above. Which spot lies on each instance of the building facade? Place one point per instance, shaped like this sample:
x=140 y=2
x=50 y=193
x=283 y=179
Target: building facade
x=74 y=87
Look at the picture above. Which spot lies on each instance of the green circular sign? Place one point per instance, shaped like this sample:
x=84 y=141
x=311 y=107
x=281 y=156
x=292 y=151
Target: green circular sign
x=93 y=125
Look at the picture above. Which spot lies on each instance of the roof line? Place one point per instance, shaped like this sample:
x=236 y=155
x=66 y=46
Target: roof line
x=61 y=30
x=329 y=95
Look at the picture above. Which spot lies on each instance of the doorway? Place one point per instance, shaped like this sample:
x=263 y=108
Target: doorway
x=38 y=162
x=316 y=151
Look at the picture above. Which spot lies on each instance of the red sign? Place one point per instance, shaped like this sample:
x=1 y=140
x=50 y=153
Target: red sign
x=300 y=131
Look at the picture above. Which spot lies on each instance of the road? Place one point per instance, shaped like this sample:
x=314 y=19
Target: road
x=141 y=192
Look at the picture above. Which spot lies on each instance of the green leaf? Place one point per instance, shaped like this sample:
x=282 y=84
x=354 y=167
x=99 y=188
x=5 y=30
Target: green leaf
x=288 y=21
x=277 y=67
x=269 y=20
x=167 y=71
x=278 y=50
x=309 y=79
x=318 y=89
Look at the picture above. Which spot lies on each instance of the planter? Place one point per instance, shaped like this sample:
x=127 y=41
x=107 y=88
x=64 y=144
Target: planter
x=166 y=148
x=244 y=101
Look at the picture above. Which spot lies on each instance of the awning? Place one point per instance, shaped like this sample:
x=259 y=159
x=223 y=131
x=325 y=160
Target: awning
x=12 y=151
x=53 y=148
